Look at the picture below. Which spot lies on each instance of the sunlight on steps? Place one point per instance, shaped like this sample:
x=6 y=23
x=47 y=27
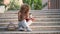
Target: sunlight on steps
x=2 y=9
x=46 y=21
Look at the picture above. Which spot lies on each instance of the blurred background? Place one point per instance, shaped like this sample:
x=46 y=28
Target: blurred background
x=46 y=13
x=15 y=4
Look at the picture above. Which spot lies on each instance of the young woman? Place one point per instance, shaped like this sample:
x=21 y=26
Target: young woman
x=24 y=18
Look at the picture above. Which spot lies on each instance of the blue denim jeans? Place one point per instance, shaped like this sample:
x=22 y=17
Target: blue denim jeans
x=25 y=25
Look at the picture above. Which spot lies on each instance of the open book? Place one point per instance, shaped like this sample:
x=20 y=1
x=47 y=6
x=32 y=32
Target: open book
x=2 y=9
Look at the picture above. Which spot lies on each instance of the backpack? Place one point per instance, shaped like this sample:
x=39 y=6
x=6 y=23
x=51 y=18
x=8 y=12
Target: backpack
x=11 y=27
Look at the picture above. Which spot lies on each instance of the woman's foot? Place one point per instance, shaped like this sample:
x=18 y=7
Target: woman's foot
x=28 y=29
x=21 y=29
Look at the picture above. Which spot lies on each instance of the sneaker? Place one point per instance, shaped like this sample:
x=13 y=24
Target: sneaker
x=21 y=29
x=29 y=30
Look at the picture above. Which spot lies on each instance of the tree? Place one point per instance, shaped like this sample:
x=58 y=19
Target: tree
x=14 y=4
x=34 y=4
x=1 y=2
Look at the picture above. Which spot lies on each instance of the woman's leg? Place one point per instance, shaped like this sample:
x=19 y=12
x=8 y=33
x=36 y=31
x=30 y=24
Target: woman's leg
x=26 y=25
x=29 y=22
x=20 y=26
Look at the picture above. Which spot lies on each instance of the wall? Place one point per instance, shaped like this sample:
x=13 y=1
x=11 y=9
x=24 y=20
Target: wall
x=43 y=2
x=54 y=4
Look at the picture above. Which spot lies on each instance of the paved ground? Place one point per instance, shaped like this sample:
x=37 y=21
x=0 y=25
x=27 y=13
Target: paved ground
x=47 y=21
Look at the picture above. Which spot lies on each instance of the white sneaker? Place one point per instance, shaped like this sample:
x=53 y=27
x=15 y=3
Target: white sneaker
x=21 y=29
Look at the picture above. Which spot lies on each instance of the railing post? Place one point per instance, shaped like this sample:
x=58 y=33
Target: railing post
x=53 y=4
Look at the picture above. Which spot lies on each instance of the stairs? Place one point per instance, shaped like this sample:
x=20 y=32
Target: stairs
x=47 y=21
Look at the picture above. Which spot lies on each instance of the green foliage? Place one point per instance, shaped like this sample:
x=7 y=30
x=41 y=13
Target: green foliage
x=34 y=4
x=14 y=5
x=1 y=2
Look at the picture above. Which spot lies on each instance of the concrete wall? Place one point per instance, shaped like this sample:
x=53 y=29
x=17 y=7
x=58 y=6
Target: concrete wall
x=54 y=4
x=2 y=9
x=43 y=2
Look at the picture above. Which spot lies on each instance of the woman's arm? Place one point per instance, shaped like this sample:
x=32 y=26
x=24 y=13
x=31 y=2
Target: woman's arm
x=30 y=17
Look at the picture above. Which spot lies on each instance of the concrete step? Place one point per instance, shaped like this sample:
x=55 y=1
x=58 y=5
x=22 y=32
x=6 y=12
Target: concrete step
x=34 y=24
x=40 y=18
x=43 y=11
x=45 y=24
x=39 y=28
x=12 y=12
x=46 y=28
x=33 y=32
x=36 y=19
x=15 y=11
x=45 y=16
x=38 y=14
x=41 y=22
x=33 y=14
x=7 y=18
x=36 y=11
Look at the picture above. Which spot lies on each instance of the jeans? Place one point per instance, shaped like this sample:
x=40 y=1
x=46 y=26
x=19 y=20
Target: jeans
x=25 y=25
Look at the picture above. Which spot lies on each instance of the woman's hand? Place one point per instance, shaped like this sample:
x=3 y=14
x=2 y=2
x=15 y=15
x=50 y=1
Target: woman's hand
x=33 y=19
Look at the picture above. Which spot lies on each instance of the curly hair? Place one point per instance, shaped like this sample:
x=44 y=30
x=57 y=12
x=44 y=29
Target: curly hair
x=24 y=11
x=24 y=8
